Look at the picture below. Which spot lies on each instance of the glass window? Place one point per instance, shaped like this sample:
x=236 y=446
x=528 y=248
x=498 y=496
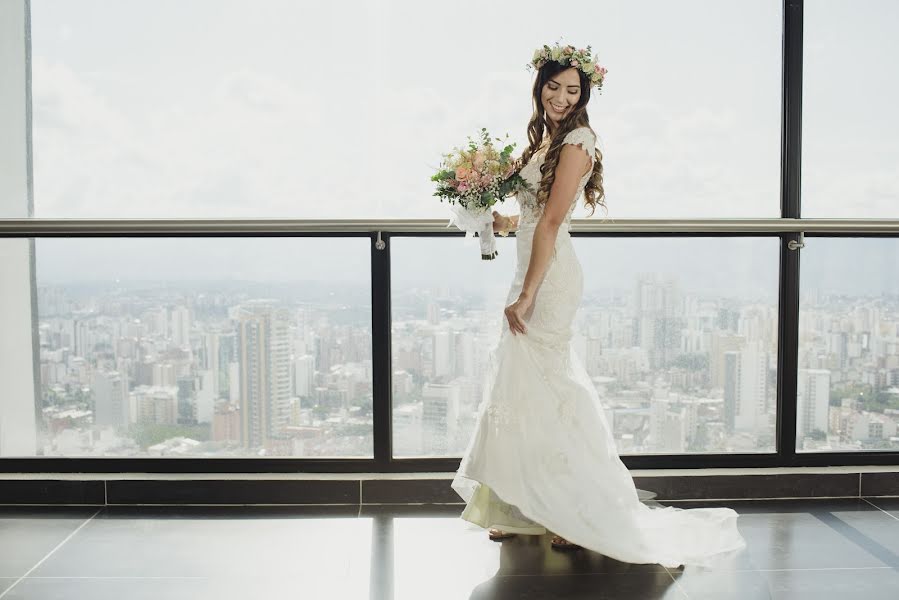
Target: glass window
x=237 y=108
x=679 y=336
x=849 y=120
x=848 y=378
x=205 y=347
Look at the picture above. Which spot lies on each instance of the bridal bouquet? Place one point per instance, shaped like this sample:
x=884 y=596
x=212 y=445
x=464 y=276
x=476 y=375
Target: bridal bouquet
x=472 y=181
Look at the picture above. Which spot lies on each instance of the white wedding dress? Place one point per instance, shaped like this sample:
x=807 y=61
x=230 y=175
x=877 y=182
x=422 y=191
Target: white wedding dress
x=543 y=456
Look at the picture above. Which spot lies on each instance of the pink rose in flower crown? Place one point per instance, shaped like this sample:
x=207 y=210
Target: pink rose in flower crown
x=462 y=173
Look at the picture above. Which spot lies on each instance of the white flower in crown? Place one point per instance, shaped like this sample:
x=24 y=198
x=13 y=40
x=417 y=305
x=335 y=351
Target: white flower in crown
x=569 y=55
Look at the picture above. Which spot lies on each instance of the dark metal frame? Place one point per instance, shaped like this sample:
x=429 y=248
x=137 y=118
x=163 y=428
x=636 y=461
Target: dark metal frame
x=383 y=461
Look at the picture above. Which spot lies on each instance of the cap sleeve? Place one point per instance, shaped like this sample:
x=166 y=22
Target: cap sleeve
x=583 y=137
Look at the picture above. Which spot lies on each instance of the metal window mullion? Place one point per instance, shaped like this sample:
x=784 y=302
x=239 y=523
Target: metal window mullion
x=788 y=296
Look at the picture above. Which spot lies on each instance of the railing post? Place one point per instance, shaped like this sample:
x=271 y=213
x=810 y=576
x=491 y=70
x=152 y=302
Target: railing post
x=381 y=349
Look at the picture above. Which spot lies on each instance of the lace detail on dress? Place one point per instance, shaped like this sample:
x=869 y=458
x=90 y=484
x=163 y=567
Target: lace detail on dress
x=583 y=137
x=501 y=413
x=527 y=200
x=556 y=462
x=565 y=410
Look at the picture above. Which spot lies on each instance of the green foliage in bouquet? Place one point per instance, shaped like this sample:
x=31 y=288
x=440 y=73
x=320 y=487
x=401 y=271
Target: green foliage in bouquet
x=480 y=176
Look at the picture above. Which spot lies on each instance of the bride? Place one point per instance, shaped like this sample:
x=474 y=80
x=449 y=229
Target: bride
x=543 y=456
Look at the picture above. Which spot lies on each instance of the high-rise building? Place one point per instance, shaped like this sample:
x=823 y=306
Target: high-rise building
x=187 y=387
x=813 y=400
x=154 y=405
x=209 y=355
x=440 y=416
x=746 y=388
x=444 y=353
x=658 y=318
x=264 y=363
x=433 y=311
x=668 y=424
x=465 y=354
x=227 y=355
x=180 y=324
x=226 y=423
x=303 y=375
x=838 y=346
x=206 y=396
x=164 y=374
x=110 y=399
x=721 y=343
x=408 y=432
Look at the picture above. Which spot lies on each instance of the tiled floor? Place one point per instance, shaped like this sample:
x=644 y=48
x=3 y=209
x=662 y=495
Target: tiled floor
x=796 y=549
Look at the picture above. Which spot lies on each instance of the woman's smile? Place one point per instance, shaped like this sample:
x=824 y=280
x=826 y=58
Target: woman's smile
x=561 y=93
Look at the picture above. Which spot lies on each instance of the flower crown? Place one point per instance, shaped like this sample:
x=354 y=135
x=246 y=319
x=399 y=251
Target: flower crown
x=569 y=55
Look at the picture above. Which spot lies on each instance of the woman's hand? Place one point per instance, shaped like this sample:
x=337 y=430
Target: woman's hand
x=516 y=312
x=499 y=222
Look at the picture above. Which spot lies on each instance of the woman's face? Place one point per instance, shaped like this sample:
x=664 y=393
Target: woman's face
x=560 y=94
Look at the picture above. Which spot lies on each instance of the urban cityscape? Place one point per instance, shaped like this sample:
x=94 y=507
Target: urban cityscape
x=228 y=369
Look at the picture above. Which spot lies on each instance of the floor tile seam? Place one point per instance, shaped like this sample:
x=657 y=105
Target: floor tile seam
x=759 y=499
x=233 y=505
x=809 y=513
x=57 y=504
x=889 y=514
x=871 y=568
x=447 y=475
x=143 y=576
x=717 y=571
x=58 y=546
x=850 y=533
x=414 y=503
x=17 y=504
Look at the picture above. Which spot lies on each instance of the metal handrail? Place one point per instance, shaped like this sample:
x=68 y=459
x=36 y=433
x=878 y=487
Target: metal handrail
x=185 y=227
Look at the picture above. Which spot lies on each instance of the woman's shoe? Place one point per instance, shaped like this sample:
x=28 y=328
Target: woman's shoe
x=499 y=534
x=559 y=542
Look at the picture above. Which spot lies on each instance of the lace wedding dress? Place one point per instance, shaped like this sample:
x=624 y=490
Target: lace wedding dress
x=542 y=456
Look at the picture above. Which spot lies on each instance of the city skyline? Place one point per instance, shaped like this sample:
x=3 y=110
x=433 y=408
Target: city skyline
x=649 y=365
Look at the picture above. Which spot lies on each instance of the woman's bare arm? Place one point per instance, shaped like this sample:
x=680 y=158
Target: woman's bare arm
x=568 y=173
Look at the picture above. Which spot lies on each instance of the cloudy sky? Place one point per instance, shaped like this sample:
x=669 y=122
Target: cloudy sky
x=279 y=108
x=295 y=109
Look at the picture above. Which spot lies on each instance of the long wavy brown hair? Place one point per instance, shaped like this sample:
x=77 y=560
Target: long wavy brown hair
x=593 y=191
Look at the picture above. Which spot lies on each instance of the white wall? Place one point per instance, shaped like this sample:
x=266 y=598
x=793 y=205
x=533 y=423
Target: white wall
x=18 y=423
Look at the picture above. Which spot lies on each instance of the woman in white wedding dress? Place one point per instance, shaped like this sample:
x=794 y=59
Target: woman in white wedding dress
x=543 y=456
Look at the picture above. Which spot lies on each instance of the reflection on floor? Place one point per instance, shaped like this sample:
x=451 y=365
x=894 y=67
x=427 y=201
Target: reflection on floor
x=798 y=549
